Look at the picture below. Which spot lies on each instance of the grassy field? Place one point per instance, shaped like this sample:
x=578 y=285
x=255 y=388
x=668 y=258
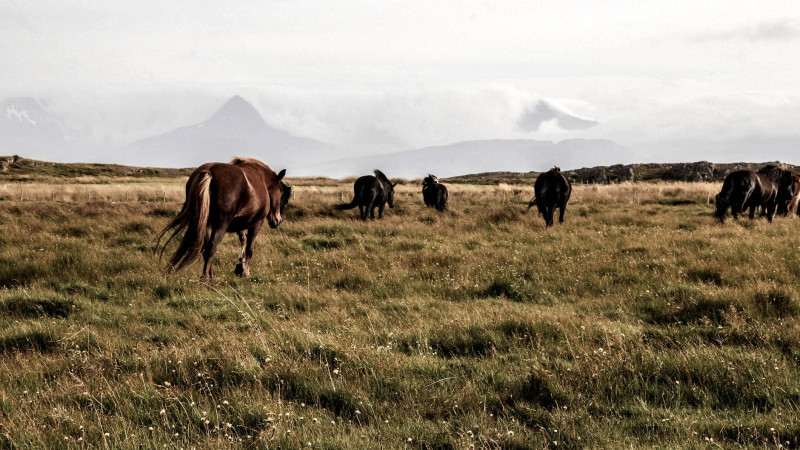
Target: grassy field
x=640 y=322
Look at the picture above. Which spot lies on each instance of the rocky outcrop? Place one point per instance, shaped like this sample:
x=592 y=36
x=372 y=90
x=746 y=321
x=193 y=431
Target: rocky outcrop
x=6 y=161
x=697 y=171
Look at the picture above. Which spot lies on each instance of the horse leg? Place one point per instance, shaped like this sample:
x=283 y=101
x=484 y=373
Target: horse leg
x=561 y=213
x=372 y=209
x=380 y=210
x=210 y=249
x=252 y=232
x=770 y=212
x=362 y=212
x=240 y=268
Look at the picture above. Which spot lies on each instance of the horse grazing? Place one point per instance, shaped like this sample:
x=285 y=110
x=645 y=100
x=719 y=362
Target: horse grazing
x=745 y=189
x=226 y=198
x=551 y=191
x=434 y=193
x=773 y=179
x=370 y=192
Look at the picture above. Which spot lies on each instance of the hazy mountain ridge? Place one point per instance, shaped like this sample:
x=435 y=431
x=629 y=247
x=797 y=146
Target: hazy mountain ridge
x=237 y=129
x=480 y=156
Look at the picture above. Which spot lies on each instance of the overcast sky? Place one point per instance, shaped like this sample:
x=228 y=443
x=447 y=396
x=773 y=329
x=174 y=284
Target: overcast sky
x=390 y=75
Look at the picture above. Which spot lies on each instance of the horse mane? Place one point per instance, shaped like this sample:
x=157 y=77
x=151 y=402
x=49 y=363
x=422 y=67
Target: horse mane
x=430 y=179
x=379 y=175
x=772 y=171
x=239 y=161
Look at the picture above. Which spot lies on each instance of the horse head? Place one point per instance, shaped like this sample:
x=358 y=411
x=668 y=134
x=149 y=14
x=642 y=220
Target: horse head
x=278 y=197
x=390 y=195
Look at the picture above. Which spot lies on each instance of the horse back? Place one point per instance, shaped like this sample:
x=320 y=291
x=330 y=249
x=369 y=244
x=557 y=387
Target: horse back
x=552 y=188
x=367 y=188
x=238 y=191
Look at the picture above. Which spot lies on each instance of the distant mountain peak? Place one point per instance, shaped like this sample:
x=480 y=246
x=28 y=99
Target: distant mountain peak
x=238 y=110
x=236 y=129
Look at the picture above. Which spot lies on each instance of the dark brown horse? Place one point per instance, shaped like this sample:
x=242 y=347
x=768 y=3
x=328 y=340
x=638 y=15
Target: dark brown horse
x=226 y=198
x=551 y=191
x=788 y=194
x=369 y=193
x=772 y=179
x=745 y=189
x=434 y=194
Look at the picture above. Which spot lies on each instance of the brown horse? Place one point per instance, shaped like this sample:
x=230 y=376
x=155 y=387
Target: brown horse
x=225 y=198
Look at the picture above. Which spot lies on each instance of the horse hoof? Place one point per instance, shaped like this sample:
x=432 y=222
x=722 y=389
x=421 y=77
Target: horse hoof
x=241 y=271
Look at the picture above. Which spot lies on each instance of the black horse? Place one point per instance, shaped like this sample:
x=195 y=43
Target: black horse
x=788 y=189
x=551 y=191
x=370 y=192
x=434 y=193
x=745 y=189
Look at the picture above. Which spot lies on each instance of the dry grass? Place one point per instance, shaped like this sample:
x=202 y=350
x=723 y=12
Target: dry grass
x=633 y=324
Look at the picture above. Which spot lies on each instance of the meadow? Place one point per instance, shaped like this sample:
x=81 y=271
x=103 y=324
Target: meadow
x=640 y=322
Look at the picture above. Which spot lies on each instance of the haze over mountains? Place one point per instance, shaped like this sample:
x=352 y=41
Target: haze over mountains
x=27 y=128
x=237 y=129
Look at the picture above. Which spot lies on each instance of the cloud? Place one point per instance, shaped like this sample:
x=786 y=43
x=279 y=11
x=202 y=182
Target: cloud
x=533 y=117
x=779 y=30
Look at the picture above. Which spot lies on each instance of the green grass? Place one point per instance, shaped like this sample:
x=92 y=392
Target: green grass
x=633 y=325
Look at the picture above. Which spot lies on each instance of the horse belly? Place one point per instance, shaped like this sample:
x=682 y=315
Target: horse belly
x=241 y=224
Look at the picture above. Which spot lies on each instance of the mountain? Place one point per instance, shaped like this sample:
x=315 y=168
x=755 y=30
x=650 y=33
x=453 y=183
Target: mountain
x=520 y=155
x=27 y=128
x=237 y=129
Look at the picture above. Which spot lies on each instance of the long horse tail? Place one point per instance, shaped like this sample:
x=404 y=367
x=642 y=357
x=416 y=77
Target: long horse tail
x=531 y=204
x=724 y=199
x=345 y=206
x=193 y=218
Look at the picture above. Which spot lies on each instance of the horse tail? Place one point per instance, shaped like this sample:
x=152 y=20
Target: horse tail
x=193 y=218
x=531 y=204
x=724 y=199
x=350 y=205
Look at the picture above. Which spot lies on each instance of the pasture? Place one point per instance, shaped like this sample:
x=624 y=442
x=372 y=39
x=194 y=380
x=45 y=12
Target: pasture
x=639 y=322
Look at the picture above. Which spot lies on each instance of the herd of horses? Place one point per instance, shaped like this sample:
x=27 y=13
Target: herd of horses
x=239 y=196
x=771 y=188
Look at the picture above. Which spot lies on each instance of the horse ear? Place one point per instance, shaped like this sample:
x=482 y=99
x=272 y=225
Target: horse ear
x=281 y=174
x=394 y=184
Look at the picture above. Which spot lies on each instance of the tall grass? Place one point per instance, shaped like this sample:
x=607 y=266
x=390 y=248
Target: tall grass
x=639 y=322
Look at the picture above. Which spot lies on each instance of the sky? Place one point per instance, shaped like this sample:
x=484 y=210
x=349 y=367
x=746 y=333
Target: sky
x=379 y=76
